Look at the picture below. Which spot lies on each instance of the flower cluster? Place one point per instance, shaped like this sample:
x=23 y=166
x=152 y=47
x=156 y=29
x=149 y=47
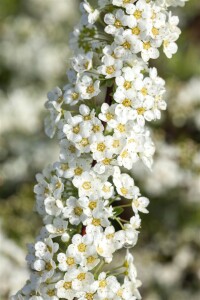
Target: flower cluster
x=100 y=118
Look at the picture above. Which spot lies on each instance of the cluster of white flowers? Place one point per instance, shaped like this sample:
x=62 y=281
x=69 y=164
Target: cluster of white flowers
x=100 y=118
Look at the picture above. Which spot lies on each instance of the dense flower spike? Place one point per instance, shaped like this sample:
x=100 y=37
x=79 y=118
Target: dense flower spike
x=101 y=120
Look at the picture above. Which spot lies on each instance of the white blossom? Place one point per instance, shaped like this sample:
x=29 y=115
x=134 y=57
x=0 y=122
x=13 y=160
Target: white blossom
x=80 y=196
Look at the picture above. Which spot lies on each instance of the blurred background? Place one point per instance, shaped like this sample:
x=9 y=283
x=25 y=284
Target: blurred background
x=34 y=57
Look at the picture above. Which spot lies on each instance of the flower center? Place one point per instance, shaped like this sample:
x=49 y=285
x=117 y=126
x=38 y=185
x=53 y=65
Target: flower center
x=102 y=283
x=121 y=127
x=76 y=129
x=155 y=31
x=96 y=128
x=140 y=110
x=48 y=266
x=84 y=142
x=78 y=211
x=86 y=185
x=118 y=23
x=90 y=89
x=144 y=91
x=124 y=154
x=64 y=167
x=81 y=276
x=126 y=102
x=92 y=205
x=58 y=185
x=120 y=293
x=109 y=116
x=115 y=144
x=78 y=171
x=124 y=191
x=87 y=118
x=72 y=149
x=146 y=45
x=101 y=147
x=127 y=85
x=110 y=70
x=75 y=96
x=67 y=285
x=51 y=293
x=126 y=45
x=136 y=30
x=89 y=296
x=106 y=161
x=166 y=43
x=90 y=259
x=137 y=14
x=96 y=222
x=106 y=189
x=82 y=247
x=70 y=261
x=110 y=236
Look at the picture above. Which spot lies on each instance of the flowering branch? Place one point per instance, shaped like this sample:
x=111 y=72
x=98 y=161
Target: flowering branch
x=99 y=144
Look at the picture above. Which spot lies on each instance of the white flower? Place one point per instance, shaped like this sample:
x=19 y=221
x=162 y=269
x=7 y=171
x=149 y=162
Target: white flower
x=107 y=190
x=71 y=95
x=129 y=289
x=125 y=185
x=53 y=207
x=88 y=87
x=106 y=286
x=140 y=204
x=68 y=151
x=48 y=292
x=82 y=62
x=111 y=67
x=124 y=110
x=83 y=279
x=45 y=268
x=87 y=184
x=104 y=247
x=127 y=44
x=54 y=105
x=131 y=236
x=100 y=148
x=131 y=76
x=74 y=211
x=169 y=45
x=72 y=129
x=149 y=49
x=57 y=227
x=51 y=122
x=89 y=294
x=115 y=21
x=82 y=245
x=42 y=189
x=54 y=99
x=107 y=113
x=138 y=12
x=93 y=14
x=64 y=287
x=67 y=261
x=56 y=186
x=98 y=218
x=91 y=261
x=46 y=248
